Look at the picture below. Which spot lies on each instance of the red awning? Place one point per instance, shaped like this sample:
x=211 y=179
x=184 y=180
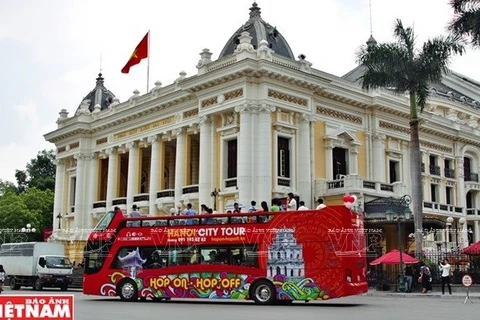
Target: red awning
x=472 y=250
x=393 y=257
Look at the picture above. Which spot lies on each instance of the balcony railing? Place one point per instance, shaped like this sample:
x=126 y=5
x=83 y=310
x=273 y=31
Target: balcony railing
x=435 y=207
x=449 y=173
x=423 y=167
x=471 y=176
x=119 y=201
x=473 y=212
x=166 y=193
x=230 y=182
x=99 y=204
x=355 y=183
x=190 y=189
x=284 y=182
x=435 y=170
x=141 y=197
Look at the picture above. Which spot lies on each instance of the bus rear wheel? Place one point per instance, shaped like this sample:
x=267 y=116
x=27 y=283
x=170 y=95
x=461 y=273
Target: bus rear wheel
x=263 y=292
x=127 y=290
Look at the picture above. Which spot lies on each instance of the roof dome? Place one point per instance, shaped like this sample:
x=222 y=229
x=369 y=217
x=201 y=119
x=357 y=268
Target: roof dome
x=99 y=95
x=259 y=30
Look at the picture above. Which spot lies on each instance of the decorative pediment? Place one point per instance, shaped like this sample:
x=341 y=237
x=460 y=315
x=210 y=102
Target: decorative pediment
x=342 y=135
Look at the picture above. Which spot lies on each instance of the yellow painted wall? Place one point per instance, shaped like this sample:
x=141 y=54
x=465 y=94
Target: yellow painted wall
x=334 y=200
x=319 y=150
x=362 y=154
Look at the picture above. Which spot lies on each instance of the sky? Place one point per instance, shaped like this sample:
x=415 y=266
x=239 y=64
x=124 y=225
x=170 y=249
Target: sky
x=52 y=50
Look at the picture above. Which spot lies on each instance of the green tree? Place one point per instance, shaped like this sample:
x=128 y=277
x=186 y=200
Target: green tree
x=398 y=66
x=14 y=213
x=40 y=204
x=466 y=20
x=6 y=187
x=40 y=173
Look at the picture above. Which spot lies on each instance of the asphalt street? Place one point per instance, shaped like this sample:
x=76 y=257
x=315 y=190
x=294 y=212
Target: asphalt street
x=372 y=306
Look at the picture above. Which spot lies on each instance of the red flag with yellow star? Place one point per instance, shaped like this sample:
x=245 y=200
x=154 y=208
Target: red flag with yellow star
x=140 y=53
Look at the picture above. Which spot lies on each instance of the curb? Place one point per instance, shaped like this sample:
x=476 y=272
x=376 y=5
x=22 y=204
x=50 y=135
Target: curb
x=422 y=295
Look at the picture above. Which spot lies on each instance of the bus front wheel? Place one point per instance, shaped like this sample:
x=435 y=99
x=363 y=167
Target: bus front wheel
x=263 y=292
x=127 y=290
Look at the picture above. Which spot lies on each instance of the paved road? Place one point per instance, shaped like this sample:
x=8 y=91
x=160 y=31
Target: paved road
x=371 y=306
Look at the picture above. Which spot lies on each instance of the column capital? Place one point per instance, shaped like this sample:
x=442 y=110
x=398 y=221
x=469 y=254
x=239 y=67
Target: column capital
x=306 y=117
x=266 y=108
x=80 y=156
x=329 y=144
x=110 y=151
x=178 y=131
x=245 y=108
x=154 y=138
x=130 y=145
x=379 y=137
x=205 y=120
x=59 y=162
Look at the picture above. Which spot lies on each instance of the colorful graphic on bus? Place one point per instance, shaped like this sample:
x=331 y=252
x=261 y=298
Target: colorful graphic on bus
x=280 y=256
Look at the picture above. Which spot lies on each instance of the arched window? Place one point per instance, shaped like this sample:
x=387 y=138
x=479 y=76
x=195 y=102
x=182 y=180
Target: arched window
x=278 y=255
x=278 y=271
x=285 y=270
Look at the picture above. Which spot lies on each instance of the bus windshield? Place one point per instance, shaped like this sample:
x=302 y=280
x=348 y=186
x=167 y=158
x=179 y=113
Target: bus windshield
x=105 y=222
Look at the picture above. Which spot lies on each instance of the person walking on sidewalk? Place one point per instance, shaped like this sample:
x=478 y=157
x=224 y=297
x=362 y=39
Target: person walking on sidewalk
x=445 y=270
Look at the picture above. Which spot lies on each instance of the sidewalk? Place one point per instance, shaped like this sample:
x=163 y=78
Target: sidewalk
x=458 y=294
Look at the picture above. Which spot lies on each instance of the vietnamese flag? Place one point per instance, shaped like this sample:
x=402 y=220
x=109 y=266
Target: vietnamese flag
x=140 y=53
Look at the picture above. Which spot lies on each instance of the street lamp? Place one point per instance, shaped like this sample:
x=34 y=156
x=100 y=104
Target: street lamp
x=28 y=228
x=215 y=194
x=59 y=217
x=447 y=236
x=406 y=214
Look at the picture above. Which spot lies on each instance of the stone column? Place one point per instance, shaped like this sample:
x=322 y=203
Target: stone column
x=180 y=164
x=460 y=177
x=379 y=157
x=155 y=172
x=353 y=165
x=329 y=159
x=205 y=183
x=476 y=231
x=245 y=154
x=93 y=177
x=80 y=188
x=133 y=173
x=305 y=184
x=112 y=177
x=59 y=191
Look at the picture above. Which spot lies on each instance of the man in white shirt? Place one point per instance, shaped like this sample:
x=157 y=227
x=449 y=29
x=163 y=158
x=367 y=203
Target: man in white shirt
x=135 y=212
x=321 y=205
x=445 y=269
x=291 y=202
x=302 y=206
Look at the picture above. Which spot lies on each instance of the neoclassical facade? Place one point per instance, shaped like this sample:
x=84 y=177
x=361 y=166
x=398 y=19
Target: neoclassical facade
x=256 y=124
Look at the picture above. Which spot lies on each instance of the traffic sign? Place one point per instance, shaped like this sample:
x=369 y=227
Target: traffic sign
x=467 y=280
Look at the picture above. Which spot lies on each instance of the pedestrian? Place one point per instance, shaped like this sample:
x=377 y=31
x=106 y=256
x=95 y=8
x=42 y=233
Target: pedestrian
x=445 y=270
x=302 y=206
x=3 y=276
x=135 y=212
x=425 y=278
x=320 y=205
x=291 y=202
x=408 y=278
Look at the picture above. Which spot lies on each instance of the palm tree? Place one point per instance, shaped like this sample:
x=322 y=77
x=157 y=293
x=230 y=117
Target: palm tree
x=398 y=66
x=466 y=20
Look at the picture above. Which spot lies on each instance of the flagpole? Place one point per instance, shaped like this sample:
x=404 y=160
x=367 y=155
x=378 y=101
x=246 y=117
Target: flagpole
x=148 y=60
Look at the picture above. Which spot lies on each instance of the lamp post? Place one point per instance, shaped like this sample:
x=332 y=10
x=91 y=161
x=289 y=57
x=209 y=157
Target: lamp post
x=391 y=215
x=28 y=228
x=447 y=236
x=215 y=194
x=59 y=217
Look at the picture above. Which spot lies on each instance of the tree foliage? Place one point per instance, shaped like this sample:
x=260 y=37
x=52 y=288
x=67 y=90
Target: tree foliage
x=400 y=67
x=39 y=173
x=466 y=20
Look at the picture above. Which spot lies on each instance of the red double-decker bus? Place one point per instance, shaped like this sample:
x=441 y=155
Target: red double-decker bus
x=266 y=257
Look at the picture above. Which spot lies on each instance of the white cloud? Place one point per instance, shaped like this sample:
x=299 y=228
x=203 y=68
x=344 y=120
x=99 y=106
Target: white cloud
x=53 y=49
